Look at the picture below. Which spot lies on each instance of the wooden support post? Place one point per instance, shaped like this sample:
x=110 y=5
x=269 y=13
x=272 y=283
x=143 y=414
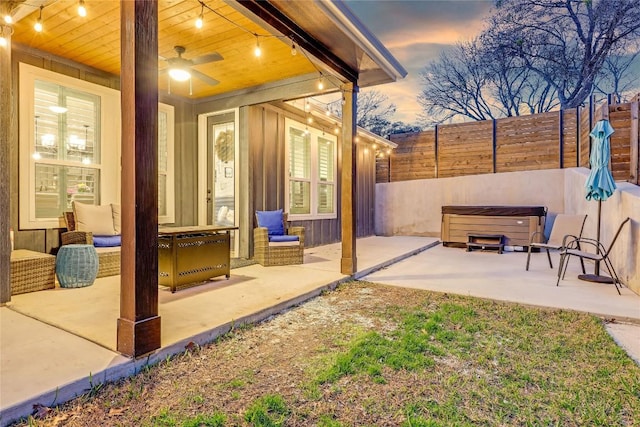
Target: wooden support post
x=561 y=137
x=348 y=263
x=634 y=169
x=6 y=136
x=139 y=323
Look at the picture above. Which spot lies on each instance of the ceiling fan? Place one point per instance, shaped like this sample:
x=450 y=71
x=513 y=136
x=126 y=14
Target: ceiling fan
x=180 y=68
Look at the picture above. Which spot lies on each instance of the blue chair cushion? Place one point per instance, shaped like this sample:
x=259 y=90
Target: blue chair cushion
x=106 y=241
x=272 y=220
x=284 y=238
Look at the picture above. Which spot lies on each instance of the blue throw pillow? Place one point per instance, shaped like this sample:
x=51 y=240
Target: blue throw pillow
x=272 y=220
x=106 y=241
x=284 y=238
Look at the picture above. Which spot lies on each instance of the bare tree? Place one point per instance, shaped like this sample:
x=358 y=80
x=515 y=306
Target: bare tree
x=615 y=78
x=374 y=112
x=480 y=80
x=565 y=42
x=456 y=85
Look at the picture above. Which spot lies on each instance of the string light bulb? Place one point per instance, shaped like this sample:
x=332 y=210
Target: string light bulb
x=257 y=51
x=320 y=83
x=5 y=33
x=200 y=20
x=8 y=19
x=38 y=26
x=294 y=51
x=82 y=10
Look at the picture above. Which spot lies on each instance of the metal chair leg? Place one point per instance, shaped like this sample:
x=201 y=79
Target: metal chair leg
x=549 y=256
x=528 y=258
x=612 y=273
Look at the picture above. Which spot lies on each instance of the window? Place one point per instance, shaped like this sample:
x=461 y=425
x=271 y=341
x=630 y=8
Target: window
x=166 y=205
x=311 y=157
x=70 y=148
x=66 y=150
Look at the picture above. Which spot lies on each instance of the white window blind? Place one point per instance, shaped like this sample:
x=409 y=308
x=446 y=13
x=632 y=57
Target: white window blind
x=66 y=147
x=312 y=172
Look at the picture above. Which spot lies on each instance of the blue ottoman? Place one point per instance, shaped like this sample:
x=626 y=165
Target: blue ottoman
x=76 y=266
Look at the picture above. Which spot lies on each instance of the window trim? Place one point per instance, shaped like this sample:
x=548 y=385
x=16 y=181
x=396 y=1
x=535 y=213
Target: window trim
x=170 y=217
x=110 y=128
x=314 y=178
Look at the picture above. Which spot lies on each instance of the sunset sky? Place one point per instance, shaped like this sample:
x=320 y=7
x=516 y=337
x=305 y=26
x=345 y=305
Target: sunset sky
x=416 y=32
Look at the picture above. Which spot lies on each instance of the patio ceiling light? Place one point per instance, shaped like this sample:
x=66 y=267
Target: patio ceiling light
x=38 y=26
x=257 y=51
x=200 y=20
x=179 y=74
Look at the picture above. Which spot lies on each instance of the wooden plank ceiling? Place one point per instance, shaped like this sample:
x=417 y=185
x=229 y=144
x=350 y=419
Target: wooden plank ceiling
x=95 y=41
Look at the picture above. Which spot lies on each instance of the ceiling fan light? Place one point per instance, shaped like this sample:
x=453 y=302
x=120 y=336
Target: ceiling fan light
x=179 y=74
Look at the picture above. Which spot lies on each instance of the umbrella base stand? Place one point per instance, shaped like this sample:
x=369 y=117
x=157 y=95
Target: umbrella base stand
x=596 y=278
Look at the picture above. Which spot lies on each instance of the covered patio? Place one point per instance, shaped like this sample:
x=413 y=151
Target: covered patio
x=53 y=353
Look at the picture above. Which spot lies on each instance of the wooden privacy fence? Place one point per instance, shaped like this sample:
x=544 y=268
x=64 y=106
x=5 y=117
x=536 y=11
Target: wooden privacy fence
x=553 y=140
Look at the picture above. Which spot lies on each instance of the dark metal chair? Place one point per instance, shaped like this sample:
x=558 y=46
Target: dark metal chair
x=565 y=228
x=601 y=255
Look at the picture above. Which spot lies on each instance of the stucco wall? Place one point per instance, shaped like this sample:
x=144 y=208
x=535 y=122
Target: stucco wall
x=414 y=207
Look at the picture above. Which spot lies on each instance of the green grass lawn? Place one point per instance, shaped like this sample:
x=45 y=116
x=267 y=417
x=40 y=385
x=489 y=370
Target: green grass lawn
x=371 y=355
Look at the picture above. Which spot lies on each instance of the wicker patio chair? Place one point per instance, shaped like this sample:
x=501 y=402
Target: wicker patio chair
x=108 y=258
x=275 y=243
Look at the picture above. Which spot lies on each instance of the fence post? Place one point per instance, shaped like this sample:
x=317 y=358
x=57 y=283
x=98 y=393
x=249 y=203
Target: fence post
x=578 y=151
x=493 y=142
x=436 y=150
x=561 y=137
x=634 y=169
x=591 y=111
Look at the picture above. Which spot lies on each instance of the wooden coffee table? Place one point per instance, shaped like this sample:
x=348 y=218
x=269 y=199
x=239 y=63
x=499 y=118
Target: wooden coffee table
x=188 y=255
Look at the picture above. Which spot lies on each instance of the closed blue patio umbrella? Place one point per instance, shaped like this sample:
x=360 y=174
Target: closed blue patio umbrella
x=600 y=184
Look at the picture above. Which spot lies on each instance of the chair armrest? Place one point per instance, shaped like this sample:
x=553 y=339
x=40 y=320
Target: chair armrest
x=533 y=235
x=570 y=239
x=261 y=236
x=77 y=237
x=297 y=231
x=579 y=242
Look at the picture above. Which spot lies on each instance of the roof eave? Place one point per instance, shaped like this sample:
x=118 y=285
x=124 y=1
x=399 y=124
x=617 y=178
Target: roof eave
x=349 y=23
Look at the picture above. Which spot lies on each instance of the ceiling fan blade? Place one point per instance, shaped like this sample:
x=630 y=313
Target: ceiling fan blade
x=208 y=80
x=212 y=57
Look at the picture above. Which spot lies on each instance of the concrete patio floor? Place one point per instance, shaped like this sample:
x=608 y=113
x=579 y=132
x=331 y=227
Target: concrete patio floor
x=59 y=343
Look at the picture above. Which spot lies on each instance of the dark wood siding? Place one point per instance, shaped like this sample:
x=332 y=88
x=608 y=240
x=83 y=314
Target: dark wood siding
x=267 y=158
